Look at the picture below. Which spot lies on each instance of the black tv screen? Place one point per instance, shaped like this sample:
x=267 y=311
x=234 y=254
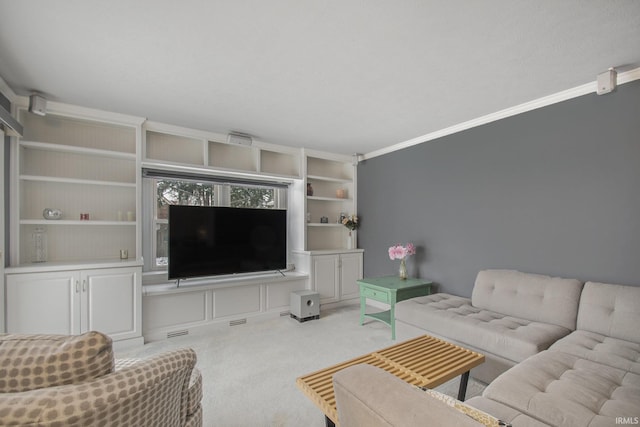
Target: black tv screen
x=209 y=241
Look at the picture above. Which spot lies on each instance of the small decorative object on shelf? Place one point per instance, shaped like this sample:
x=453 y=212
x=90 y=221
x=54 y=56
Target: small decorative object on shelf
x=341 y=193
x=50 y=213
x=351 y=222
x=402 y=252
x=309 y=189
x=39 y=241
x=324 y=220
x=84 y=216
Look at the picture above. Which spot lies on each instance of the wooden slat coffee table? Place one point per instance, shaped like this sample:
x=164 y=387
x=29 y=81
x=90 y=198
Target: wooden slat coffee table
x=424 y=361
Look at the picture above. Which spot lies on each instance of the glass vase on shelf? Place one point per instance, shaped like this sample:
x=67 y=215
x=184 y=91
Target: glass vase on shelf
x=403 y=269
x=350 y=239
x=39 y=245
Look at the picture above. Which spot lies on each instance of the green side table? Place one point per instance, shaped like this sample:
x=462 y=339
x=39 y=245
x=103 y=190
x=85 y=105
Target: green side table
x=390 y=290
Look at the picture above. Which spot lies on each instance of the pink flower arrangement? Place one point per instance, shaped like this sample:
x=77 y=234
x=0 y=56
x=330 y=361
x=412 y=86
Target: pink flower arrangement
x=401 y=252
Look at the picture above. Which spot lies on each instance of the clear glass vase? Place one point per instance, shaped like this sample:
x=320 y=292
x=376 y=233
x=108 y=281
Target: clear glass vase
x=39 y=245
x=403 y=269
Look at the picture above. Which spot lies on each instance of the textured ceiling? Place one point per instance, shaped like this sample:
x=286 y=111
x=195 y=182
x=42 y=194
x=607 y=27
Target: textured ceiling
x=335 y=75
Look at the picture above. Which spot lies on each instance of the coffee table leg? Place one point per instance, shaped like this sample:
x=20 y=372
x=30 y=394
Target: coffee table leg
x=328 y=422
x=462 y=391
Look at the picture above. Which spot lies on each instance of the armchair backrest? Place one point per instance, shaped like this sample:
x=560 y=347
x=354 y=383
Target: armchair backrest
x=150 y=392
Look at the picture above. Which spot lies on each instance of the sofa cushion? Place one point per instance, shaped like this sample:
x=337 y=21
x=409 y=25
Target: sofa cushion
x=611 y=310
x=29 y=362
x=533 y=297
x=561 y=389
x=602 y=349
x=452 y=316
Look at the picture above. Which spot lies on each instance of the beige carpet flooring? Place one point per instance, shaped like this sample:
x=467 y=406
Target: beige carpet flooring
x=249 y=371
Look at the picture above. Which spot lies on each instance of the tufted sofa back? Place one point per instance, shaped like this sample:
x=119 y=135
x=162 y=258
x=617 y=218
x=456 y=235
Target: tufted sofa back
x=529 y=296
x=611 y=310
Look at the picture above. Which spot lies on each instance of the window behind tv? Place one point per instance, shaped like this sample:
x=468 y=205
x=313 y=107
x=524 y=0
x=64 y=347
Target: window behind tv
x=164 y=188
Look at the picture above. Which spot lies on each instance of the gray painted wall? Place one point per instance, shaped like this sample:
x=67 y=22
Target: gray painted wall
x=553 y=191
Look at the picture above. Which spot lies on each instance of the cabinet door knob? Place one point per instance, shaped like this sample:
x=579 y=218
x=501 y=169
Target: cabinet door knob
x=84 y=286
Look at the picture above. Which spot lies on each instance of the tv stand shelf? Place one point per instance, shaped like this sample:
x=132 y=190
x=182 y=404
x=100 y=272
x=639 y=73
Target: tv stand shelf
x=205 y=303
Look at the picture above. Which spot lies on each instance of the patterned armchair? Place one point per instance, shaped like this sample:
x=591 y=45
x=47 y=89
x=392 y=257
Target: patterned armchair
x=59 y=380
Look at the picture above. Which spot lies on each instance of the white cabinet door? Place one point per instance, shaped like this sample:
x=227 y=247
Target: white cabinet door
x=43 y=303
x=111 y=301
x=325 y=277
x=350 y=272
x=72 y=302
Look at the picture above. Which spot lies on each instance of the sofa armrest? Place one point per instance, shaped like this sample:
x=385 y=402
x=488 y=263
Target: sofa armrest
x=151 y=392
x=371 y=397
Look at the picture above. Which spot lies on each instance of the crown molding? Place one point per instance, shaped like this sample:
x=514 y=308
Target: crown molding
x=625 y=77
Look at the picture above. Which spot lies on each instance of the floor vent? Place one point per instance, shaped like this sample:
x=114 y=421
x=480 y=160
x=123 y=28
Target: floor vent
x=285 y=314
x=237 y=322
x=177 y=333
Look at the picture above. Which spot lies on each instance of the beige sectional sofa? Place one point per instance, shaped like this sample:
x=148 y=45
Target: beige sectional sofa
x=509 y=317
x=587 y=377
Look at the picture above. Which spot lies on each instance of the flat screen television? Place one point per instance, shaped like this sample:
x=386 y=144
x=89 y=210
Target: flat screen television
x=210 y=241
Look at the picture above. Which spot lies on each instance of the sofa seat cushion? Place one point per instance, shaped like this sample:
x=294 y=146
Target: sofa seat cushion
x=452 y=316
x=602 y=349
x=29 y=362
x=561 y=389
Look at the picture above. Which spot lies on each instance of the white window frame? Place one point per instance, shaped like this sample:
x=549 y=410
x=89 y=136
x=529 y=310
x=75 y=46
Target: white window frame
x=222 y=197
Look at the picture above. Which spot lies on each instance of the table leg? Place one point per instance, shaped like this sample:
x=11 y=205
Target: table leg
x=462 y=391
x=328 y=422
x=392 y=318
x=363 y=305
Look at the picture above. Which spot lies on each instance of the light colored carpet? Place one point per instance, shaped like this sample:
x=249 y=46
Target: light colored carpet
x=249 y=371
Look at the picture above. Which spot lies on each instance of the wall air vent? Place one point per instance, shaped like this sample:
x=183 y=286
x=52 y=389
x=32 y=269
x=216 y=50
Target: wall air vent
x=237 y=322
x=177 y=333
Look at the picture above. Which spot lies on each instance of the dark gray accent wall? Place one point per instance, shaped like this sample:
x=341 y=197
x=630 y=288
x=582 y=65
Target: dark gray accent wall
x=553 y=191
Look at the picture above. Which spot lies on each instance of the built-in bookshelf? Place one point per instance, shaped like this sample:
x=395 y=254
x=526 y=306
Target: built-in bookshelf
x=87 y=169
x=330 y=194
x=169 y=146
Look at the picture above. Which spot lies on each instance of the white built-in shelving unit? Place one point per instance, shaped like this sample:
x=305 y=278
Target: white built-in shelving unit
x=333 y=181
x=329 y=255
x=187 y=149
x=79 y=165
x=81 y=162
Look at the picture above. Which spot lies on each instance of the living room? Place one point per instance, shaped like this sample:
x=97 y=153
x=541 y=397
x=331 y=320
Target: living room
x=540 y=178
